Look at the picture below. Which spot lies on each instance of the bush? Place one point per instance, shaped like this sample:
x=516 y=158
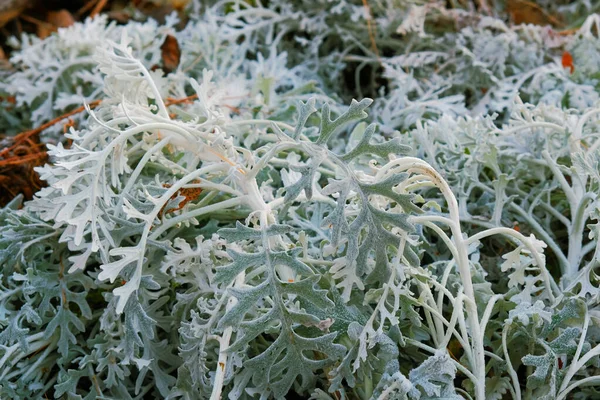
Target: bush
x=231 y=229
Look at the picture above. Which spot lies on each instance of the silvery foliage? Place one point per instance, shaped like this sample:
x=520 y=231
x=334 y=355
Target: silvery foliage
x=264 y=239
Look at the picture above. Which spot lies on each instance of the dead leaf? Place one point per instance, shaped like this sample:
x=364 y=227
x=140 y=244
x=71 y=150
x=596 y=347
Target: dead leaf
x=61 y=18
x=171 y=54
x=180 y=5
x=567 y=61
x=10 y=9
x=528 y=12
x=4 y=63
x=54 y=20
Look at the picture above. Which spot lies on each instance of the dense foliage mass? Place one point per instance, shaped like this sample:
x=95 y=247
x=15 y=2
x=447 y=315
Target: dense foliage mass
x=268 y=236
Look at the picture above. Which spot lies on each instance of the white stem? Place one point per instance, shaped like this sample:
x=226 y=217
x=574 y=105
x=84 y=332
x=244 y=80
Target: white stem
x=224 y=345
x=548 y=281
x=488 y=311
x=40 y=359
x=511 y=370
x=590 y=380
x=537 y=228
x=436 y=326
x=573 y=367
x=579 y=217
x=571 y=197
x=412 y=164
x=529 y=125
x=458 y=308
x=442 y=235
x=138 y=170
x=261 y=121
x=430 y=349
x=443 y=282
x=460 y=337
x=577 y=135
x=11 y=292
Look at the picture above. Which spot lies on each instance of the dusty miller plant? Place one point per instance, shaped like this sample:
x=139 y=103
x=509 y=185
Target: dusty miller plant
x=263 y=240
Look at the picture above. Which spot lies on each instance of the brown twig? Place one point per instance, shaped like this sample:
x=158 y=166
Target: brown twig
x=36 y=21
x=86 y=7
x=370 y=28
x=169 y=101
x=99 y=6
x=56 y=120
x=568 y=32
x=19 y=160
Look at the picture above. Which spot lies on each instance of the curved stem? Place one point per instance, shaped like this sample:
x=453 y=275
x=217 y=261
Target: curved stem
x=416 y=165
x=138 y=170
x=447 y=241
x=590 y=380
x=196 y=213
x=573 y=367
x=529 y=125
x=430 y=349
x=511 y=371
x=575 y=253
x=567 y=189
x=549 y=282
x=488 y=311
x=261 y=121
x=537 y=228
x=462 y=339
x=10 y=293
x=458 y=308
x=40 y=359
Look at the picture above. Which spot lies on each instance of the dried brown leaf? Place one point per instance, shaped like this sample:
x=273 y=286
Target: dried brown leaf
x=171 y=54
x=61 y=18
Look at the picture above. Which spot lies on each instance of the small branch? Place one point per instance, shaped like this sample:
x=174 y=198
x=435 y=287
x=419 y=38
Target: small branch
x=98 y=7
x=169 y=101
x=371 y=28
x=85 y=8
x=37 y=22
x=92 y=105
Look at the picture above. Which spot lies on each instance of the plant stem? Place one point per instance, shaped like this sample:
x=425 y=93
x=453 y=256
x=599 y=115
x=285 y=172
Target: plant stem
x=548 y=281
x=412 y=164
x=575 y=253
x=224 y=345
x=511 y=370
